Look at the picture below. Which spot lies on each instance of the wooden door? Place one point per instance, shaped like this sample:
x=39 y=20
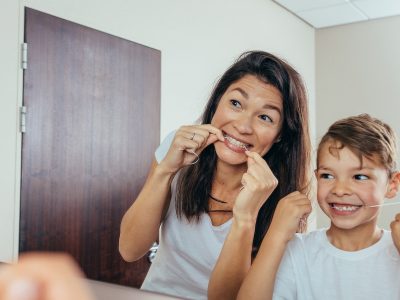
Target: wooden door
x=92 y=125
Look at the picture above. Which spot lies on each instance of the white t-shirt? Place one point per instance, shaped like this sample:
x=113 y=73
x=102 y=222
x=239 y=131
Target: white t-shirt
x=187 y=251
x=312 y=268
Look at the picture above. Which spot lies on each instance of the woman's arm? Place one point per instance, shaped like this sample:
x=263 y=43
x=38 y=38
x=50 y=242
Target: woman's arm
x=140 y=224
x=235 y=258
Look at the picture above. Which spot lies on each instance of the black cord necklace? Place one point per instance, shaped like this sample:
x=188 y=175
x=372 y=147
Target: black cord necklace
x=219 y=201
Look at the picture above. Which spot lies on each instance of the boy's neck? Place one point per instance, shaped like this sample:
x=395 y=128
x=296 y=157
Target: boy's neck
x=354 y=239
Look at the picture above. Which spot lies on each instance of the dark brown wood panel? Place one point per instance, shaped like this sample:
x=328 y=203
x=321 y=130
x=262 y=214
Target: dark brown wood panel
x=92 y=125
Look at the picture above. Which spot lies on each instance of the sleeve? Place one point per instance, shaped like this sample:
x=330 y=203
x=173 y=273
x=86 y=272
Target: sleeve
x=285 y=284
x=164 y=146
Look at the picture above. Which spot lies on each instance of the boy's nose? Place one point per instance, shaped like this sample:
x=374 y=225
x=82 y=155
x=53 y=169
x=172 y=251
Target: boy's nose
x=341 y=189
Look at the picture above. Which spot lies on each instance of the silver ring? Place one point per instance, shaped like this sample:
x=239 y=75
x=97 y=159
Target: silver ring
x=193 y=136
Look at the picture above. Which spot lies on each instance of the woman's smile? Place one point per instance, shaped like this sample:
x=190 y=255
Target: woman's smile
x=236 y=144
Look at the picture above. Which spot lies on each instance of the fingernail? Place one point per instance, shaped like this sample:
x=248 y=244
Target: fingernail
x=22 y=289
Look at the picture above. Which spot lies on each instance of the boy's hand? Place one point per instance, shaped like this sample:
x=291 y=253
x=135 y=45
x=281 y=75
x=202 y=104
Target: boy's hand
x=395 y=227
x=290 y=211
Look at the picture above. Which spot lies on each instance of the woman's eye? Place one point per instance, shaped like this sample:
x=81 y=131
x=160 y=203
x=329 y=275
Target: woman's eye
x=326 y=176
x=236 y=103
x=266 y=118
x=361 y=177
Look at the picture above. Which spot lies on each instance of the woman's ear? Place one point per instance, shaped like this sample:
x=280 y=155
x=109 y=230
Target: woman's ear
x=394 y=184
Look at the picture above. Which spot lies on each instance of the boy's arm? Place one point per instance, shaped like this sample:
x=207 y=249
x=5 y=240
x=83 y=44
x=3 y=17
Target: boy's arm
x=395 y=227
x=260 y=280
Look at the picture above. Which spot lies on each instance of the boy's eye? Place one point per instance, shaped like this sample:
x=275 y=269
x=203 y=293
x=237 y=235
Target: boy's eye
x=266 y=118
x=236 y=103
x=361 y=177
x=326 y=176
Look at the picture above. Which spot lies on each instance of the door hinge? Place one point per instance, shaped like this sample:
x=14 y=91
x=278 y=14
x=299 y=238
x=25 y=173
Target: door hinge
x=24 y=56
x=22 y=119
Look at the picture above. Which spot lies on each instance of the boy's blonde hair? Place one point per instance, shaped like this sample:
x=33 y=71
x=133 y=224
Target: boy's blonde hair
x=365 y=136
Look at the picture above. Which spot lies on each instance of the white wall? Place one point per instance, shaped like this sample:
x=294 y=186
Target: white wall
x=358 y=71
x=198 y=41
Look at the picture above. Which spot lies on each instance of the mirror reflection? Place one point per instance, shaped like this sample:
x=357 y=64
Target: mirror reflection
x=99 y=144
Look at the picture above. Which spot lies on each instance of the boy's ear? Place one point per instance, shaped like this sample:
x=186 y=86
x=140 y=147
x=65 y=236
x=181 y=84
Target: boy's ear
x=394 y=184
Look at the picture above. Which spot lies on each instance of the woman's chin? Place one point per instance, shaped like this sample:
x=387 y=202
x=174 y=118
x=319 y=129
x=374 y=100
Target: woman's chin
x=231 y=157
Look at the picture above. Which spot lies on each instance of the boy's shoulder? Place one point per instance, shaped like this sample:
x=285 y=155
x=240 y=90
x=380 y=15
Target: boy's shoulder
x=303 y=242
x=316 y=242
x=310 y=237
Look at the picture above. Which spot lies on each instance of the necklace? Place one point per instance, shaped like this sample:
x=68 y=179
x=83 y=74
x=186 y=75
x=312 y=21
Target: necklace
x=219 y=201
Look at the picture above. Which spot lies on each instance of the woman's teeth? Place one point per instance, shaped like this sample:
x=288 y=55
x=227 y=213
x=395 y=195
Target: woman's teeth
x=236 y=143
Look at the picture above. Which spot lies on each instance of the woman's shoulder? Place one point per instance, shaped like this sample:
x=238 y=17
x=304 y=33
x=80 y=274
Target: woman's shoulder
x=164 y=146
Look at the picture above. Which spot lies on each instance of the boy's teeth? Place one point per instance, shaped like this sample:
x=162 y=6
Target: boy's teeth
x=345 y=208
x=235 y=142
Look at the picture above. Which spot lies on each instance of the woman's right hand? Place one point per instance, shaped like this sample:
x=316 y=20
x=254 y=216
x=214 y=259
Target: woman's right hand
x=189 y=139
x=289 y=215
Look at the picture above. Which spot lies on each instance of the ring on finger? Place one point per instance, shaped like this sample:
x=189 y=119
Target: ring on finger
x=193 y=136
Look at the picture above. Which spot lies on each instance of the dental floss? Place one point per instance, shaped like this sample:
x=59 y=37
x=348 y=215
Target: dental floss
x=302 y=224
x=384 y=204
x=197 y=157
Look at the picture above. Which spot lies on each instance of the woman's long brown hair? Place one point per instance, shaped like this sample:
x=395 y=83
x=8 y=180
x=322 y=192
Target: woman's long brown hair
x=289 y=159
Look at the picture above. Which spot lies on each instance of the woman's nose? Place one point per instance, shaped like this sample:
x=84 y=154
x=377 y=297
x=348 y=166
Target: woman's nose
x=244 y=125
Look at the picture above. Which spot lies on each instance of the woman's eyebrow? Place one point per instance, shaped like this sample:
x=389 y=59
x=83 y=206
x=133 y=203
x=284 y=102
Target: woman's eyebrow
x=244 y=94
x=270 y=106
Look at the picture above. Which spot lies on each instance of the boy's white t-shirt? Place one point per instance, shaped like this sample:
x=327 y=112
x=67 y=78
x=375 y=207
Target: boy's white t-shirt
x=187 y=251
x=312 y=268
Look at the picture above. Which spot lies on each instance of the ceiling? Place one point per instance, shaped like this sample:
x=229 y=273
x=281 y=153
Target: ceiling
x=326 y=13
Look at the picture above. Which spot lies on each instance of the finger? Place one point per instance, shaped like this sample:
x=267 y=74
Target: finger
x=257 y=158
x=205 y=130
x=213 y=130
x=254 y=159
x=204 y=135
x=397 y=217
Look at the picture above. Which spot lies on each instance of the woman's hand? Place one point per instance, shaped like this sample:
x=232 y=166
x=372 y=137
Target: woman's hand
x=289 y=214
x=43 y=276
x=187 y=141
x=258 y=184
x=395 y=227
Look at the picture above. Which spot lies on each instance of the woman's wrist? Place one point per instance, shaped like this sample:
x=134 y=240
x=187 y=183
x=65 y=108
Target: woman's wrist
x=163 y=170
x=244 y=220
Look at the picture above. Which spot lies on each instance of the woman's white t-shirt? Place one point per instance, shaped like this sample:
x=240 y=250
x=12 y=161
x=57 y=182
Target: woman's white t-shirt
x=187 y=251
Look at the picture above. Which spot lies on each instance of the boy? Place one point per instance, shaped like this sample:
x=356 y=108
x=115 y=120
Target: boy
x=354 y=258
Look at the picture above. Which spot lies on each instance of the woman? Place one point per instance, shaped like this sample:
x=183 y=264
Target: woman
x=212 y=179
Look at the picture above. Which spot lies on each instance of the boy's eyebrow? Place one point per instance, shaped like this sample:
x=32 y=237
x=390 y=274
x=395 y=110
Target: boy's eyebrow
x=352 y=169
x=322 y=168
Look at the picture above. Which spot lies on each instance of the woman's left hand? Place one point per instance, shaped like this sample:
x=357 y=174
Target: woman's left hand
x=258 y=184
x=395 y=227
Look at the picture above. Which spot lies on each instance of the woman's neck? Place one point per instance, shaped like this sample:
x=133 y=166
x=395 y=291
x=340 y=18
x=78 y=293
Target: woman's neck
x=227 y=181
x=229 y=176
